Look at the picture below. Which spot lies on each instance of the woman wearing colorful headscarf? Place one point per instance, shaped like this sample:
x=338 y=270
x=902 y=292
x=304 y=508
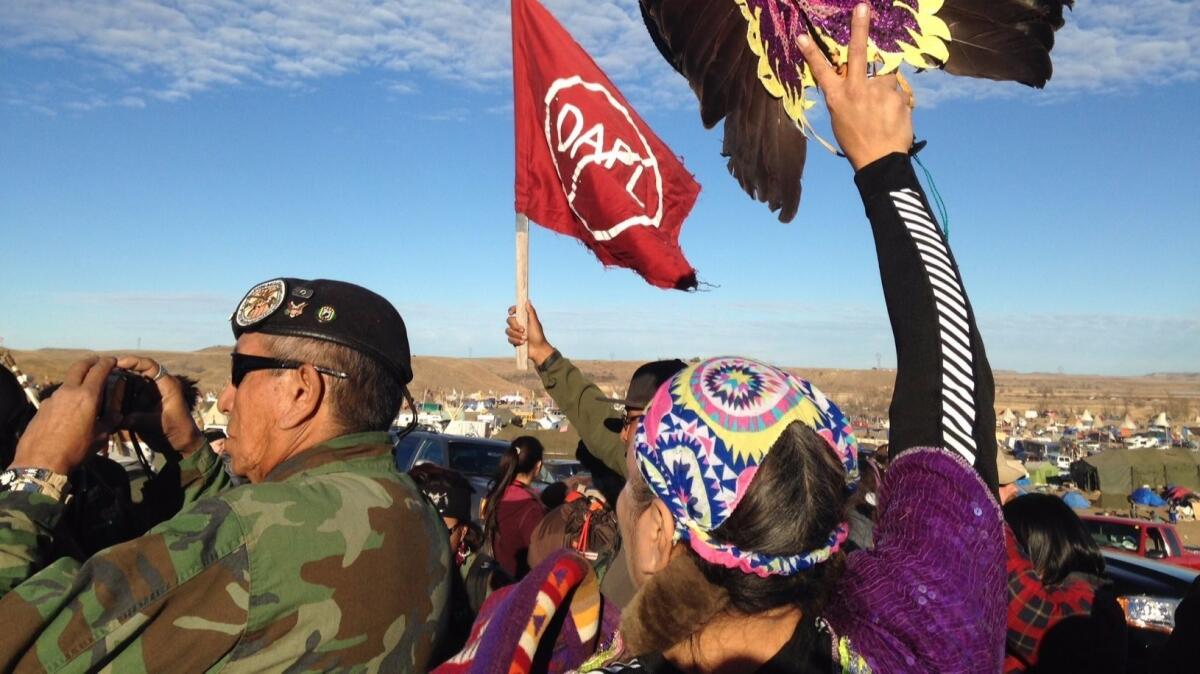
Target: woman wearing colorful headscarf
x=733 y=518
x=734 y=515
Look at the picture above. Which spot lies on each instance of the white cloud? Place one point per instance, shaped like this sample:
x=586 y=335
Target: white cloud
x=143 y=50
x=1106 y=46
x=148 y=49
x=399 y=87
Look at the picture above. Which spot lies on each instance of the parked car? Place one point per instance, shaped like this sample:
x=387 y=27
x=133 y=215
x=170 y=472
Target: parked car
x=476 y=458
x=1152 y=540
x=1148 y=592
x=558 y=470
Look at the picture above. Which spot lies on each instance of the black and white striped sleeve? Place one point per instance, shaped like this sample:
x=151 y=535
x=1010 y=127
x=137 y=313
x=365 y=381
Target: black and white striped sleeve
x=944 y=394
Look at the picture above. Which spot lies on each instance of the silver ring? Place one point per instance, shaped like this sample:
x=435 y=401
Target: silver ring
x=162 y=372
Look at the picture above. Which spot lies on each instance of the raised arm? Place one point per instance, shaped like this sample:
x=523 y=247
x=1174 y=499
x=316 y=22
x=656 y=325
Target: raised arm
x=944 y=391
x=597 y=422
x=60 y=437
x=939 y=555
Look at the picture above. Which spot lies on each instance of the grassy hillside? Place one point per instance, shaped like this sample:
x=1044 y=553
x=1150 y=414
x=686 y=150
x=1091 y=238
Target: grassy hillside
x=860 y=392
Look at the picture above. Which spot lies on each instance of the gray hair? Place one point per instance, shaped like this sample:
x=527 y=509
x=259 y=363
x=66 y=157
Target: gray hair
x=366 y=400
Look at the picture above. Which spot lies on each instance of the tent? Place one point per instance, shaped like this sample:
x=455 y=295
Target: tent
x=1160 y=421
x=1117 y=472
x=503 y=418
x=1146 y=496
x=1178 y=493
x=1076 y=500
x=1039 y=471
x=213 y=417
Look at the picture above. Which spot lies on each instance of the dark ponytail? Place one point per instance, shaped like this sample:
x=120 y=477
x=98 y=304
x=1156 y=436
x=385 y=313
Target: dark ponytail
x=522 y=456
x=797 y=497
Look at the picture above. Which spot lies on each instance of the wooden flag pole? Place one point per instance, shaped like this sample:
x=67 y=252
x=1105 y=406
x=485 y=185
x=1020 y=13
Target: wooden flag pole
x=522 y=285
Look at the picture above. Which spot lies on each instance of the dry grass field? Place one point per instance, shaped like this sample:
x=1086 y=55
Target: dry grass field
x=860 y=392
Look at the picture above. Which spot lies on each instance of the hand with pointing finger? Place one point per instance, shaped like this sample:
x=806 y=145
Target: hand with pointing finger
x=871 y=116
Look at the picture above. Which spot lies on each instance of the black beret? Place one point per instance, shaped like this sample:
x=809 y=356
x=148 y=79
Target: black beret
x=334 y=311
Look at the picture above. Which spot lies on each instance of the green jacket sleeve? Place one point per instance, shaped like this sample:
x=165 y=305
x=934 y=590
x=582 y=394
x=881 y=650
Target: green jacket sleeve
x=27 y=523
x=129 y=606
x=181 y=483
x=580 y=400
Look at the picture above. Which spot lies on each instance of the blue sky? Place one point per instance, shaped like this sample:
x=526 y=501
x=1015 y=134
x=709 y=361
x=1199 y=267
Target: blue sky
x=159 y=159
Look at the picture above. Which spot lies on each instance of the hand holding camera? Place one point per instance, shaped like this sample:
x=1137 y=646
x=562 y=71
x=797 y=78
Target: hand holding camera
x=62 y=433
x=161 y=411
x=95 y=399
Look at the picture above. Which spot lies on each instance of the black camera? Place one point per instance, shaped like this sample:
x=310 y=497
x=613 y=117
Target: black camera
x=127 y=392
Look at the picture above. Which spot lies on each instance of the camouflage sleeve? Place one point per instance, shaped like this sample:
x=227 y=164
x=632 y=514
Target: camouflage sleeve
x=131 y=606
x=181 y=483
x=27 y=523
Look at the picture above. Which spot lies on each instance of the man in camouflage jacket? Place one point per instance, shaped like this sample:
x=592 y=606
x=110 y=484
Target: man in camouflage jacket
x=330 y=559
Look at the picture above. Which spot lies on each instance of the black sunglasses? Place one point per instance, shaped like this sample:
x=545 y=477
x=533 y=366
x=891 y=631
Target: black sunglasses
x=243 y=364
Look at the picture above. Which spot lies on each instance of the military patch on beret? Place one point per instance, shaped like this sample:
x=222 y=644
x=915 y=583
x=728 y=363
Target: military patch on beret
x=262 y=301
x=333 y=311
x=296 y=308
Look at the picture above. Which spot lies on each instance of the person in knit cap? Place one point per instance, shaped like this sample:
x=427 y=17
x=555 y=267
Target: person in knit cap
x=733 y=517
x=740 y=473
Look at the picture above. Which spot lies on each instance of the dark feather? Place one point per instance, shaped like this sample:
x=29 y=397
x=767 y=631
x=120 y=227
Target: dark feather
x=732 y=60
x=705 y=40
x=994 y=51
x=1050 y=10
x=694 y=27
x=656 y=35
x=1002 y=39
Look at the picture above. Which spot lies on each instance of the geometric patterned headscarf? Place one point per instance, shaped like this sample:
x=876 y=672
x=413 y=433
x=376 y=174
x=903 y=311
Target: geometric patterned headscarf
x=706 y=432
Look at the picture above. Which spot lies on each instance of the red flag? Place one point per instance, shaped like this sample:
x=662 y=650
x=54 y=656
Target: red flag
x=587 y=165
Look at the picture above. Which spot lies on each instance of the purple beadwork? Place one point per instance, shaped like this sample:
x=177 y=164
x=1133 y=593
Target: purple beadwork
x=889 y=24
x=784 y=20
x=936 y=563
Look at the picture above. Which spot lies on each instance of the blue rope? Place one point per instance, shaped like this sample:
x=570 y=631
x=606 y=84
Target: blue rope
x=943 y=214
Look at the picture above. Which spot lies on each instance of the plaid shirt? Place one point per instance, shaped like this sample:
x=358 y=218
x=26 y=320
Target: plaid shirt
x=1033 y=608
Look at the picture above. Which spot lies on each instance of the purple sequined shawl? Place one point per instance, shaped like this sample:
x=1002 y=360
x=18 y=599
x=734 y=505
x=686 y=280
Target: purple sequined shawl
x=930 y=597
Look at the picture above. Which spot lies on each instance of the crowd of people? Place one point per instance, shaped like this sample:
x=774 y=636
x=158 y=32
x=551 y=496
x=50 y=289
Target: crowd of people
x=733 y=524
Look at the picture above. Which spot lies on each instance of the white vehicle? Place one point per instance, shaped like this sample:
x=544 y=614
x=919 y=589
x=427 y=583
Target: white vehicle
x=468 y=429
x=1141 y=442
x=549 y=422
x=1063 y=463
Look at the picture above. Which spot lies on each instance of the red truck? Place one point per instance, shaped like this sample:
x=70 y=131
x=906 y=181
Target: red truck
x=1153 y=540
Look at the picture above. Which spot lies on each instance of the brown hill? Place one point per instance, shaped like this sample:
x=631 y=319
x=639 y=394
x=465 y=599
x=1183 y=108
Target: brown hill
x=860 y=392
